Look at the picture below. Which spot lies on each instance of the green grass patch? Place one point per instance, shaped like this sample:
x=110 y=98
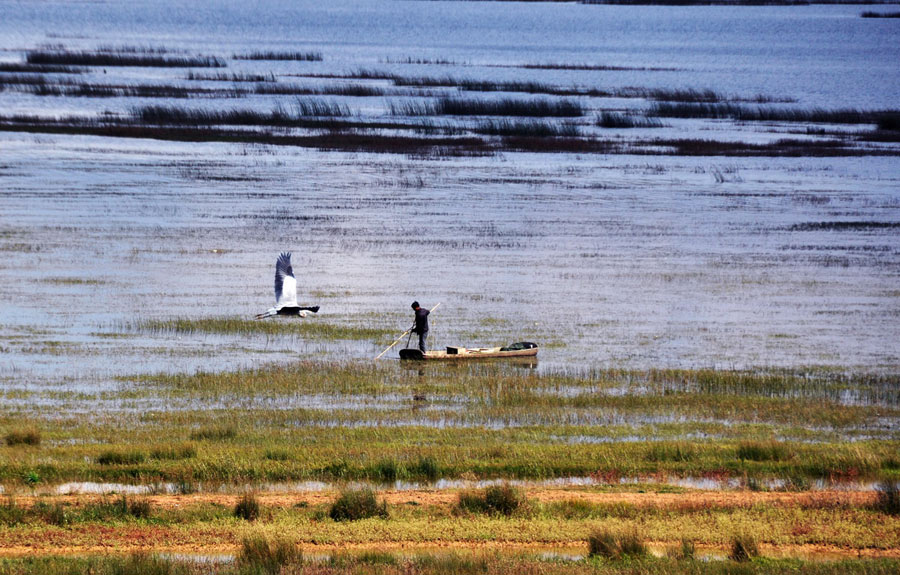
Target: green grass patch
x=308 y=328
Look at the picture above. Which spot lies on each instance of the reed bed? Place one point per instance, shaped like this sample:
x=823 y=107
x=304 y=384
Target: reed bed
x=201 y=126
x=27 y=68
x=352 y=90
x=617 y=120
x=303 y=108
x=843 y=226
x=428 y=61
x=760 y=114
x=473 y=85
x=483 y=107
x=8 y=80
x=873 y=14
x=130 y=59
x=233 y=77
x=133 y=91
x=333 y=139
x=531 y=129
x=535 y=87
x=889 y=122
x=280 y=56
x=597 y=67
x=42 y=85
x=309 y=328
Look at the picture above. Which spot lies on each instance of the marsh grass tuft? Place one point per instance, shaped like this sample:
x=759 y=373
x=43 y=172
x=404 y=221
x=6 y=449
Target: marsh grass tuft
x=223 y=433
x=30 y=437
x=425 y=467
x=502 y=499
x=259 y=554
x=388 y=471
x=888 y=498
x=617 y=120
x=743 y=548
x=611 y=545
x=247 y=508
x=121 y=457
x=531 y=129
x=682 y=552
x=277 y=455
x=140 y=508
x=355 y=504
x=174 y=452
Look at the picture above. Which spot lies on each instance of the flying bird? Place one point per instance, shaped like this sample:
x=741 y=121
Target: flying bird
x=286 y=291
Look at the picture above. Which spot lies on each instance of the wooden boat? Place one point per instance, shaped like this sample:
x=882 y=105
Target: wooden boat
x=520 y=349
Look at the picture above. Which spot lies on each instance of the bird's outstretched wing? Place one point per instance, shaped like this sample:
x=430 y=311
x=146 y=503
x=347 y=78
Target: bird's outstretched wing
x=285 y=284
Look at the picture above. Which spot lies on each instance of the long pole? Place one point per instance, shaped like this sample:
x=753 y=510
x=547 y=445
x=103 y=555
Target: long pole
x=402 y=335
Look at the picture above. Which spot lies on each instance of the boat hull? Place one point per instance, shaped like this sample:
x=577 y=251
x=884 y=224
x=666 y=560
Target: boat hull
x=463 y=354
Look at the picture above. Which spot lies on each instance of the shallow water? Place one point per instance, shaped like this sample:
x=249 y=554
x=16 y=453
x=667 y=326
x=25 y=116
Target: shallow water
x=627 y=261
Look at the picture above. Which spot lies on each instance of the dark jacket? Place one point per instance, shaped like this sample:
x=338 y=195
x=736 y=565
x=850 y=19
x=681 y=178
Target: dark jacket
x=421 y=320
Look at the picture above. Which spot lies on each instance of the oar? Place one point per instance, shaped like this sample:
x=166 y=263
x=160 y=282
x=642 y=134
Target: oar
x=402 y=335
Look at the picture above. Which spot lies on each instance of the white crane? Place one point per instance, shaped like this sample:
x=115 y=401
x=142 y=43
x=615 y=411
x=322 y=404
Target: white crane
x=286 y=291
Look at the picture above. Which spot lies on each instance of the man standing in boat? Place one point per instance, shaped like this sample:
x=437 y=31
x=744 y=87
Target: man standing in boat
x=421 y=325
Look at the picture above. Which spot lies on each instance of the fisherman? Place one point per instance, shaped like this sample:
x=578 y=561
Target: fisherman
x=421 y=325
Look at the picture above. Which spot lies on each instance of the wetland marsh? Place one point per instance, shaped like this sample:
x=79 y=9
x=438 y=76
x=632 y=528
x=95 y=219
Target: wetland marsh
x=701 y=236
